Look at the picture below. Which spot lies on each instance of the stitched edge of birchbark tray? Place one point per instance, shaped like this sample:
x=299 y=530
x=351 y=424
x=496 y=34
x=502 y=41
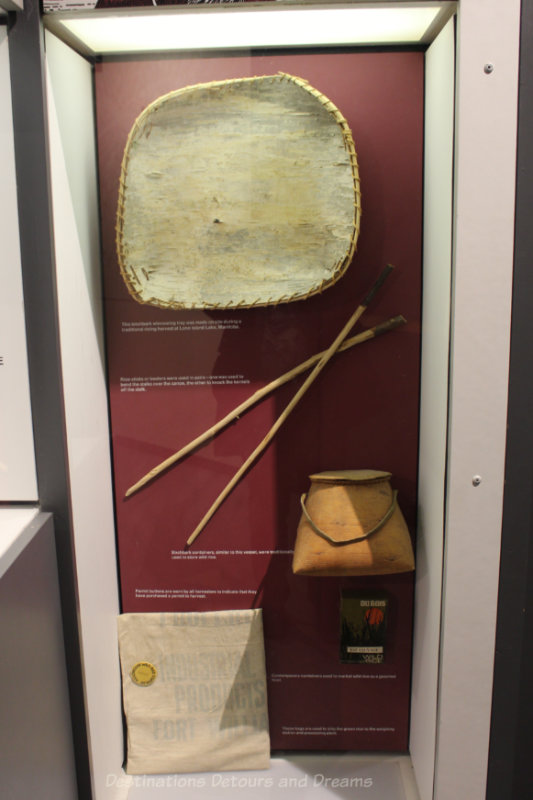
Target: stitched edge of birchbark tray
x=336 y=272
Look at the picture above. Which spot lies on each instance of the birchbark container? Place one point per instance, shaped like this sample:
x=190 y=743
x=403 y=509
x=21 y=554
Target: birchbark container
x=236 y=194
x=351 y=524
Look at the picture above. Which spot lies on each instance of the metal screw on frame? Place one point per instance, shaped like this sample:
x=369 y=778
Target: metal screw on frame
x=488 y=68
x=476 y=480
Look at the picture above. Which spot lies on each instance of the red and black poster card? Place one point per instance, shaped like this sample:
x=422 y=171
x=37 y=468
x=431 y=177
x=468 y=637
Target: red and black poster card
x=175 y=373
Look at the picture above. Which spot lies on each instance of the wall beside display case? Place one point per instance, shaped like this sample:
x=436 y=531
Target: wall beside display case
x=17 y=460
x=36 y=752
x=93 y=524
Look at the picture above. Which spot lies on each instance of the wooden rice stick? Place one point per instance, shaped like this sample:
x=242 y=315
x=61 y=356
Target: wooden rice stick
x=291 y=405
x=364 y=336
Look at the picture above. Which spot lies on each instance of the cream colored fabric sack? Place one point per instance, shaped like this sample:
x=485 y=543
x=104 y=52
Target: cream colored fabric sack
x=194 y=689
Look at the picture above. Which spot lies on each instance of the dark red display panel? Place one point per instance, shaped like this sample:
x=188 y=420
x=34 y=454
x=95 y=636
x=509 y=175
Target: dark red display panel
x=173 y=374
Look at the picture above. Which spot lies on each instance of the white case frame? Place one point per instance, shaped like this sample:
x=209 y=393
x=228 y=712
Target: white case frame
x=463 y=415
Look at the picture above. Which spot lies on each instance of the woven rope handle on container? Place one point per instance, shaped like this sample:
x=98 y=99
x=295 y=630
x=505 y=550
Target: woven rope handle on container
x=388 y=514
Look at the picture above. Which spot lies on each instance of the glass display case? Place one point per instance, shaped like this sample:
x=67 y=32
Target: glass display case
x=140 y=381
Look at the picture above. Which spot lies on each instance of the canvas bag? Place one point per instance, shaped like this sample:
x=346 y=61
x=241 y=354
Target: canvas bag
x=351 y=524
x=194 y=691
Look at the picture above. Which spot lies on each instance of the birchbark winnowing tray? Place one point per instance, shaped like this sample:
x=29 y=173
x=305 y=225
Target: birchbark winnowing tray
x=236 y=194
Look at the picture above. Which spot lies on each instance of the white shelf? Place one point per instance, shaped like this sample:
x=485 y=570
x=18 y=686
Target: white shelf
x=316 y=775
x=16 y=531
